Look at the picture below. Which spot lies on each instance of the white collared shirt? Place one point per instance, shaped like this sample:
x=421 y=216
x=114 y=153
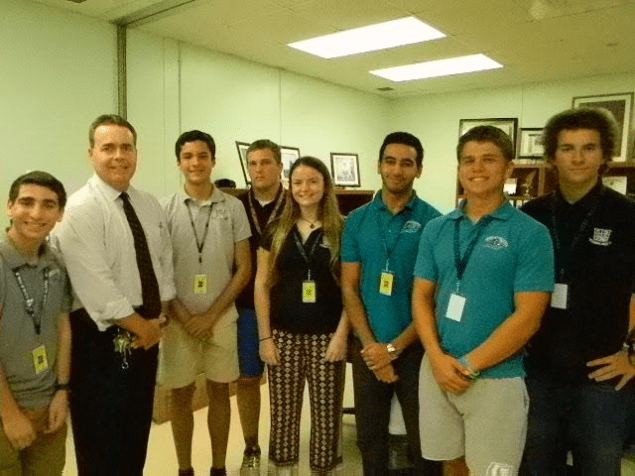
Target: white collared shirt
x=98 y=249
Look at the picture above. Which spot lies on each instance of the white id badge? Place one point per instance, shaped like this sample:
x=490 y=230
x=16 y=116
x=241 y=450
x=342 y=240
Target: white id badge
x=455 y=307
x=559 y=296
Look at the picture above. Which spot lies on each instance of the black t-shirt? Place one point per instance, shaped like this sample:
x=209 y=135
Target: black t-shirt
x=599 y=272
x=288 y=312
x=246 y=297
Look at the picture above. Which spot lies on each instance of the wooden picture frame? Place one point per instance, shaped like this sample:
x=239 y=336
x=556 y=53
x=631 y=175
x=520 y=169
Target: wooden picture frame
x=530 y=143
x=345 y=169
x=242 y=155
x=288 y=155
x=509 y=125
x=621 y=106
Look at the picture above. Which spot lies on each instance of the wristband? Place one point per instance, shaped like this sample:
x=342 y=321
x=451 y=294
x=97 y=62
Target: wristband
x=473 y=374
x=266 y=338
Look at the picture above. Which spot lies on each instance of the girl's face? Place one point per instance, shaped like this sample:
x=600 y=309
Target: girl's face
x=307 y=186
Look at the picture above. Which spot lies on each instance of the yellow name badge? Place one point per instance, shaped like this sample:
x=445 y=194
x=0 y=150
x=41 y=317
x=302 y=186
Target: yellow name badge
x=386 y=282
x=308 y=291
x=40 y=362
x=200 y=284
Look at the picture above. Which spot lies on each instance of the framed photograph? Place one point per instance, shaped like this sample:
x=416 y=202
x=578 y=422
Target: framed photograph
x=621 y=106
x=289 y=155
x=530 y=143
x=242 y=155
x=345 y=169
x=508 y=125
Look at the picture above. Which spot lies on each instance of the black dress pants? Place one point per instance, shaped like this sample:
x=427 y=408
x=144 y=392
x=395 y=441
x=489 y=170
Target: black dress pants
x=111 y=406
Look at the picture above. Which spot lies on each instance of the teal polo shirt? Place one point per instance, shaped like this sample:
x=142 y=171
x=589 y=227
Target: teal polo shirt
x=369 y=232
x=513 y=254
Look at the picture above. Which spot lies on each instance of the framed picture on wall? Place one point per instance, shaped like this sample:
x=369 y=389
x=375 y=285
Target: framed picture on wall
x=508 y=125
x=289 y=155
x=530 y=143
x=242 y=155
x=345 y=169
x=621 y=106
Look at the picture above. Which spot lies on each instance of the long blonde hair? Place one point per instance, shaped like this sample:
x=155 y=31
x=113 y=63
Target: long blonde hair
x=328 y=214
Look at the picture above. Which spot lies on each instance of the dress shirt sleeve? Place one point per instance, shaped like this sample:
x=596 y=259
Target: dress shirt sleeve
x=167 y=288
x=81 y=238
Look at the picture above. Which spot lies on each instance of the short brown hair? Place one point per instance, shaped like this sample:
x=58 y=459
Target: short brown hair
x=107 y=119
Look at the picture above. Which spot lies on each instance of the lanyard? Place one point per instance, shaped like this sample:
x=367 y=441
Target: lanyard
x=585 y=223
x=461 y=263
x=300 y=248
x=252 y=209
x=388 y=251
x=29 y=302
x=199 y=244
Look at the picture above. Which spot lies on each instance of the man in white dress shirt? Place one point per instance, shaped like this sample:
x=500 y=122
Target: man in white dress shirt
x=115 y=242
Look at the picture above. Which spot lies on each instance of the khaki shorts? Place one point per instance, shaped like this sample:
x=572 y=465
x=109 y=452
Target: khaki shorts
x=486 y=424
x=183 y=357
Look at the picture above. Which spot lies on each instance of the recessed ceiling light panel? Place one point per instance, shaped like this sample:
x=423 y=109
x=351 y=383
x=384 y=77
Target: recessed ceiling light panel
x=390 y=34
x=434 y=69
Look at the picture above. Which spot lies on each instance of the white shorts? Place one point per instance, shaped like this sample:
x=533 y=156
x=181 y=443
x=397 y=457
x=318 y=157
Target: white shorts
x=183 y=357
x=487 y=424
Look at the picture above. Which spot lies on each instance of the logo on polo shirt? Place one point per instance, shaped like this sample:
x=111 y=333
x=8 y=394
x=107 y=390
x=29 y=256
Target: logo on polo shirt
x=601 y=237
x=499 y=469
x=496 y=242
x=411 y=227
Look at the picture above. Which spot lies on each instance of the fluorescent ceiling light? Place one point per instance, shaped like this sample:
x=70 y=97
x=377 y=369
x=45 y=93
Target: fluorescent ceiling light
x=381 y=36
x=433 y=69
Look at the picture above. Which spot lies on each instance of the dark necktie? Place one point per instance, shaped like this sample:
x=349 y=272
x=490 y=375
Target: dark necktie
x=151 y=307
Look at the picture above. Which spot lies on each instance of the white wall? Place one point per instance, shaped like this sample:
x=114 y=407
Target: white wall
x=435 y=120
x=57 y=73
x=174 y=87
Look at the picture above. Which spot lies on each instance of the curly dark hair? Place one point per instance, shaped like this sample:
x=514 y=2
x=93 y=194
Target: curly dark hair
x=597 y=119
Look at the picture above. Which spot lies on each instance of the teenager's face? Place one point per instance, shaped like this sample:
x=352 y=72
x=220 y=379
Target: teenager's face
x=264 y=170
x=398 y=168
x=34 y=213
x=307 y=186
x=196 y=162
x=483 y=170
x=578 y=157
x=114 y=155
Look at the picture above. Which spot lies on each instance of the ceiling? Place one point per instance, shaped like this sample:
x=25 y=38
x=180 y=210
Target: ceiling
x=535 y=40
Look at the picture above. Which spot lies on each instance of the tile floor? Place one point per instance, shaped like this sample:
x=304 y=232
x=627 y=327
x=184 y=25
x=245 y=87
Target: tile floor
x=161 y=459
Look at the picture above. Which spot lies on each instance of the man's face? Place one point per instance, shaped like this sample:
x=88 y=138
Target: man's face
x=578 y=157
x=114 y=155
x=34 y=213
x=264 y=170
x=398 y=168
x=483 y=170
x=196 y=162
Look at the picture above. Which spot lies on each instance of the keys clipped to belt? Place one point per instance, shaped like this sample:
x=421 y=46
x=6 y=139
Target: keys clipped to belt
x=122 y=342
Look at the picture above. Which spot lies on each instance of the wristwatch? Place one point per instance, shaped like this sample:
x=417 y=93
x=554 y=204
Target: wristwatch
x=392 y=352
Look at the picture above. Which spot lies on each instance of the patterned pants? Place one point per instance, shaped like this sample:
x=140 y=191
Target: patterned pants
x=302 y=358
